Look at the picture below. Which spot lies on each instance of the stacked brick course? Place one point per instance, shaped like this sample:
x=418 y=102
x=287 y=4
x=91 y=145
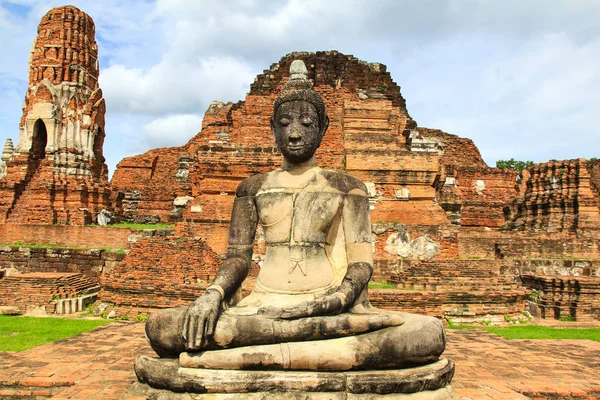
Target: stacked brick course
x=101 y=237
x=144 y=187
x=566 y=296
x=473 y=290
x=43 y=290
x=56 y=173
x=91 y=263
x=161 y=272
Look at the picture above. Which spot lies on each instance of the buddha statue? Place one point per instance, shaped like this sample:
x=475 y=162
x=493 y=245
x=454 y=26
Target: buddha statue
x=309 y=308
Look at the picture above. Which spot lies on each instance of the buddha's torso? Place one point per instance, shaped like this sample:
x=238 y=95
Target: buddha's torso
x=299 y=216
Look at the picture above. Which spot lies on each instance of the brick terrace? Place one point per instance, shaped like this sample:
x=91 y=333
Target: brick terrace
x=98 y=365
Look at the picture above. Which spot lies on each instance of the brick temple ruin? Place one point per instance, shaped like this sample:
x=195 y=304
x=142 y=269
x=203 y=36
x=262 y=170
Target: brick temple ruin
x=56 y=173
x=455 y=237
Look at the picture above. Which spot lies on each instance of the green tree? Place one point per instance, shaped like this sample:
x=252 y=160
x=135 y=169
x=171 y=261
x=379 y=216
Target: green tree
x=514 y=164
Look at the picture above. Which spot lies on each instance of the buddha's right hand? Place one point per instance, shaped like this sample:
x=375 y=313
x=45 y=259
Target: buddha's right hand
x=200 y=320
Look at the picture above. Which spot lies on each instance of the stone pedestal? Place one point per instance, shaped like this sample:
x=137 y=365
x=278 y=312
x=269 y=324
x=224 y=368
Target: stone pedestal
x=166 y=379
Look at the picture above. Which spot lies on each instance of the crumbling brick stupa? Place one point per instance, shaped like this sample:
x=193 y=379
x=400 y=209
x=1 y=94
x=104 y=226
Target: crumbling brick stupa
x=56 y=173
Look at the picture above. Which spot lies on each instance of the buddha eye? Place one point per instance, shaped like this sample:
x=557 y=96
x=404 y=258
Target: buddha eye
x=307 y=121
x=284 y=121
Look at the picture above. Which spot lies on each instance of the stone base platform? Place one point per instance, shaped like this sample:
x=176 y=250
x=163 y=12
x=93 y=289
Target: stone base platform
x=165 y=379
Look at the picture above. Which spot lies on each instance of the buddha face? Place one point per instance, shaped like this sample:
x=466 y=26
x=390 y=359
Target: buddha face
x=297 y=130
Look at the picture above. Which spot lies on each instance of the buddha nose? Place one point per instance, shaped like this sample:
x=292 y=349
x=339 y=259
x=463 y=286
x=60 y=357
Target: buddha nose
x=295 y=135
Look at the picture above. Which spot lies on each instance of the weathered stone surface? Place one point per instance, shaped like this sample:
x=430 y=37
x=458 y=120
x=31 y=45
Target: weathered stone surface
x=157 y=394
x=417 y=341
x=10 y=310
x=104 y=217
x=421 y=248
x=167 y=374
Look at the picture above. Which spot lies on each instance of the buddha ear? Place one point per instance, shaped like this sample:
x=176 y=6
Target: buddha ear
x=272 y=121
x=325 y=126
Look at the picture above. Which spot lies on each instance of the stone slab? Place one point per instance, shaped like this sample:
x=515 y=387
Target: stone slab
x=167 y=374
x=9 y=310
x=157 y=394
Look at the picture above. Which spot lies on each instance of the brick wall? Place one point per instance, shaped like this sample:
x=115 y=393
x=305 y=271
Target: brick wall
x=91 y=263
x=565 y=296
x=525 y=244
x=145 y=186
x=458 y=151
x=65 y=235
x=160 y=272
x=43 y=289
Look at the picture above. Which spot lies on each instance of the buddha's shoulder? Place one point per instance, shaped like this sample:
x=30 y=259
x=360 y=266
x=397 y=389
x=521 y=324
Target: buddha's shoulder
x=251 y=185
x=346 y=184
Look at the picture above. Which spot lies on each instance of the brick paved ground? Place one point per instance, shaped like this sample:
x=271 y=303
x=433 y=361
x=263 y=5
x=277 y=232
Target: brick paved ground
x=98 y=365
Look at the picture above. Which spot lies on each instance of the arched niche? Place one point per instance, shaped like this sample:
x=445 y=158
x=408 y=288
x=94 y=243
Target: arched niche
x=98 y=144
x=98 y=162
x=39 y=140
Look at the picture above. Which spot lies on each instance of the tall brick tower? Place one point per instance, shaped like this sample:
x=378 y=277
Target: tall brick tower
x=56 y=173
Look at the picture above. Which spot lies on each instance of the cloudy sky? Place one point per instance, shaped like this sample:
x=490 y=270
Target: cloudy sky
x=519 y=77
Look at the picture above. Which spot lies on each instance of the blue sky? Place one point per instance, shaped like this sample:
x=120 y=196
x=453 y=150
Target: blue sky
x=520 y=78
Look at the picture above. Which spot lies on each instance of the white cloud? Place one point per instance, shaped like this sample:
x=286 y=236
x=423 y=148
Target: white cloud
x=172 y=130
x=175 y=87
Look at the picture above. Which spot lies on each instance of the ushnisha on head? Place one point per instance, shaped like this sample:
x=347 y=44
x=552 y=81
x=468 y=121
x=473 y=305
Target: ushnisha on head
x=299 y=120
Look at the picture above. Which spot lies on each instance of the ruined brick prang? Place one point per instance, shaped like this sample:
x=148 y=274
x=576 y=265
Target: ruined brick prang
x=557 y=196
x=56 y=173
x=64 y=95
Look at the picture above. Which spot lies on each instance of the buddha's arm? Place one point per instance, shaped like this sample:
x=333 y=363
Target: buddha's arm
x=359 y=250
x=202 y=315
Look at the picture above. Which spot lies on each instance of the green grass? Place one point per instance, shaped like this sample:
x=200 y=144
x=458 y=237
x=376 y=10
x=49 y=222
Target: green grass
x=23 y=333
x=535 y=332
x=381 y=285
x=461 y=326
x=132 y=225
x=452 y=325
x=542 y=332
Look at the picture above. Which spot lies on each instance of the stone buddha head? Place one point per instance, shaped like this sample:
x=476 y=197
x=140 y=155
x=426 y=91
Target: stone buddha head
x=299 y=120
